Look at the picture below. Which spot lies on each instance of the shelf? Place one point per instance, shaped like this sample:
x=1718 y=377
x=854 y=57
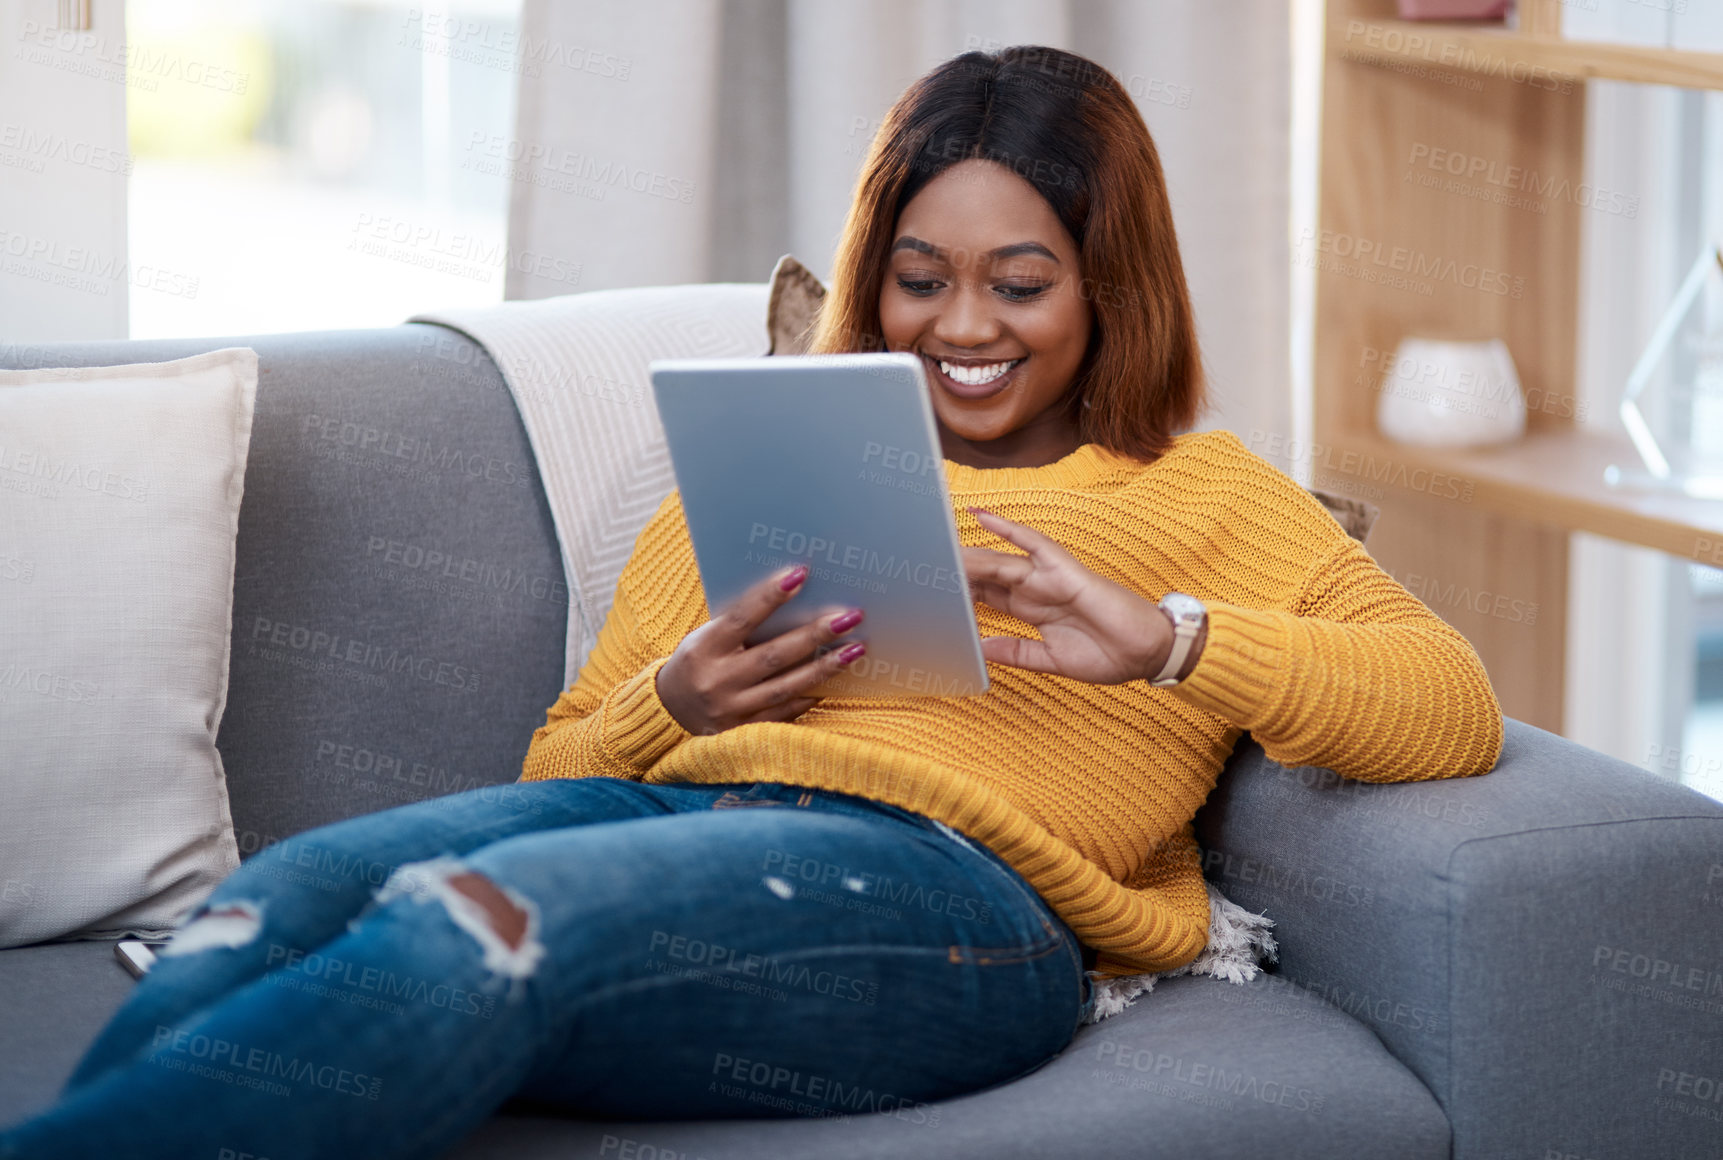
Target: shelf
x=1490 y=50
x=1553 y=478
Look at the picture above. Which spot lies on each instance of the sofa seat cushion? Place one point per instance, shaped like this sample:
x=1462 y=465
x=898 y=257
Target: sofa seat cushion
x=54 y=999
x=1199 y=1068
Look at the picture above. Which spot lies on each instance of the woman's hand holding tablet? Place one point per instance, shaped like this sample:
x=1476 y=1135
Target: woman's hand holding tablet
x=856 y=490
x=1092 y=629
x=715 y=681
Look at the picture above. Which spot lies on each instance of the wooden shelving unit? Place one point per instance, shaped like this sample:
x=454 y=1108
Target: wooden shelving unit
x=1407 y=248
x=1556 y=478
x=1491 y=50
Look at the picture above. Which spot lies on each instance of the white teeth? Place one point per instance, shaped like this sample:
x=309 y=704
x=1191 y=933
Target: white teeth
x=976 y=376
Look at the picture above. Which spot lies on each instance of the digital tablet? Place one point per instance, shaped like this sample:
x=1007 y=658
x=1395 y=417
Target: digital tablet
x=832 y=461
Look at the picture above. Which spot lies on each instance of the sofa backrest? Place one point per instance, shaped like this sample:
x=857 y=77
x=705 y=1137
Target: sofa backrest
x=400 y=607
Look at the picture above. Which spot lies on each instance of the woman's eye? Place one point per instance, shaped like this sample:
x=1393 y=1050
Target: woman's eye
x=1021 y=293
x=917 y=286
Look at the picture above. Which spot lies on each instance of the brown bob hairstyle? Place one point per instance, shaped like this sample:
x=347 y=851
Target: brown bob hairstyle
x=1067 y=126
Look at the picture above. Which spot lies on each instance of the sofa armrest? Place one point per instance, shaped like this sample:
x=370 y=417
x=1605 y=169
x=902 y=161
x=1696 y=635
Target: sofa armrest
x=1542 y=945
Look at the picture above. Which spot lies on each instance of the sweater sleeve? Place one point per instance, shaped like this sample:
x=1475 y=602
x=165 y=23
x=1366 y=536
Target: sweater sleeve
x=1358 y=677
x=1171 y=879
x=610 y=722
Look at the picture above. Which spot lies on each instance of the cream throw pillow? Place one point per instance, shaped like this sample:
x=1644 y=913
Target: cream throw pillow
x=119 y=504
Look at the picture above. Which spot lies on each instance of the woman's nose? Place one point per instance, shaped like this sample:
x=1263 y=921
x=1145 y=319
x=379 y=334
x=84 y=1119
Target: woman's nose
x=967 y=320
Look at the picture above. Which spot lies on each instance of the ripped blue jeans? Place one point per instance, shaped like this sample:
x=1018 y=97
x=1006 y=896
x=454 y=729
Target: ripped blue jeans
x=598 y=947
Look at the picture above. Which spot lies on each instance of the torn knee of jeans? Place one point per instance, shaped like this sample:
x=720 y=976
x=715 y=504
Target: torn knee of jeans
x=223 y=924
x=504 y=922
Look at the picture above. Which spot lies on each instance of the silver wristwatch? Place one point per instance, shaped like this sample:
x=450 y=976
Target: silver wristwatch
x=1188 y=616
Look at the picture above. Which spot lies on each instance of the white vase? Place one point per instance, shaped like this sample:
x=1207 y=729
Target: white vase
x=1451 y=394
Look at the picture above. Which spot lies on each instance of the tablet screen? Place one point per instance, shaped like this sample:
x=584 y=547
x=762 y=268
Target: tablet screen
x=832 y=461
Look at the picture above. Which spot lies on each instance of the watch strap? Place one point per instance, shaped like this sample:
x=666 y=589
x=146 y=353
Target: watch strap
x=1184 y=634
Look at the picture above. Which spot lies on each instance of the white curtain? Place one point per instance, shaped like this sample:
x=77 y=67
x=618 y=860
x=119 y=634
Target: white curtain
x=667 y=141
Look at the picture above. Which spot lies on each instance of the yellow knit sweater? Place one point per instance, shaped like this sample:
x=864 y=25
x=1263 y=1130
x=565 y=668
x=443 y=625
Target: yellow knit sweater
x=1088 y=791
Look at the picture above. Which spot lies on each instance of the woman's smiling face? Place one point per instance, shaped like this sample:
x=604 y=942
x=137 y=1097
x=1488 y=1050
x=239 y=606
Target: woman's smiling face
x=984 y=283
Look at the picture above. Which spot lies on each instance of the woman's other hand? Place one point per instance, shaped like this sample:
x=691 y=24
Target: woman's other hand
x=1091 y=628
x=714 y=681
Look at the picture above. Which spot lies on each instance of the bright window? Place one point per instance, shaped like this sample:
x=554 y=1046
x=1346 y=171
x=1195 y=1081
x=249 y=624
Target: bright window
x=1645 y=629
x=295 y=161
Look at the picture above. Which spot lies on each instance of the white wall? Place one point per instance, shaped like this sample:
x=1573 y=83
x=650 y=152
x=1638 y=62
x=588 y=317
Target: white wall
x=64 y=271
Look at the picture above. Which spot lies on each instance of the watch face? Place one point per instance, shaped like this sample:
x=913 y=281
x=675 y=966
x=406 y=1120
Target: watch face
x=1183 y=607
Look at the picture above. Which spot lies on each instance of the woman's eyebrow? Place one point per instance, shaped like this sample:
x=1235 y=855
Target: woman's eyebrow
x=908 y=243
x=1015 y=249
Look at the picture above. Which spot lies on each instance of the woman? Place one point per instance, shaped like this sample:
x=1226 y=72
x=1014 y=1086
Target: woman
x=905 y=908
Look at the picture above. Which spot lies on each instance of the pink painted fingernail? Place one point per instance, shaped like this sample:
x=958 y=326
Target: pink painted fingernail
x=793 y=579
x=847 y=621
x=851 y=652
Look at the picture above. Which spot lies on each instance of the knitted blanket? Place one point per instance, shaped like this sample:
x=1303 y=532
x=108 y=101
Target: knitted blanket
x=577 y=368
x=576 y=365
x=1239 y=943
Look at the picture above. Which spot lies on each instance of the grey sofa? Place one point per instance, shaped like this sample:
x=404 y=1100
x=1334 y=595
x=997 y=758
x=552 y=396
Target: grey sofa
x=1528 y=964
